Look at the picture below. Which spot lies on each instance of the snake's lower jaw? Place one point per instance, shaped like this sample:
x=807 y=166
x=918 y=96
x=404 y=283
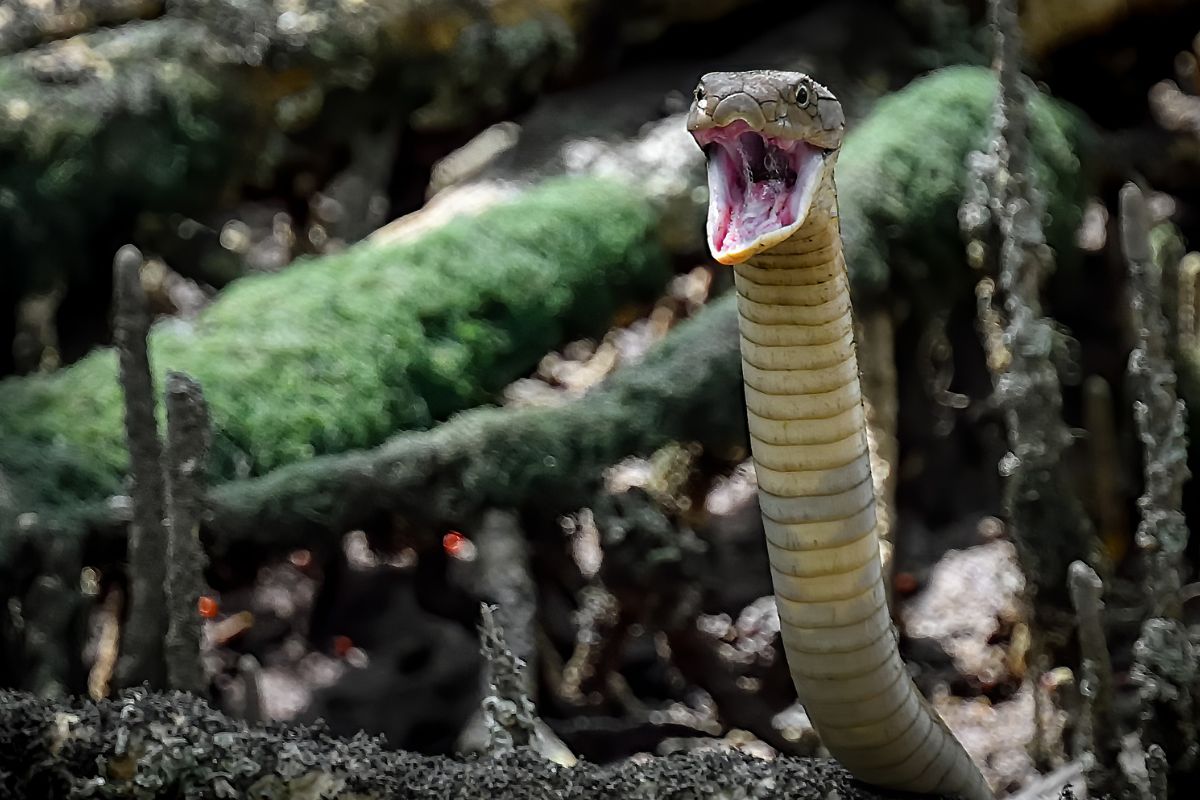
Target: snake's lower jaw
x=760 y=190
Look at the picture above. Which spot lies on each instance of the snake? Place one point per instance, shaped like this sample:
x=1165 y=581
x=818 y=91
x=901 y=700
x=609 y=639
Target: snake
x=771 y=141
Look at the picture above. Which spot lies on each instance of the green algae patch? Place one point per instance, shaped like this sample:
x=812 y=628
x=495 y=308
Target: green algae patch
x=337 y=353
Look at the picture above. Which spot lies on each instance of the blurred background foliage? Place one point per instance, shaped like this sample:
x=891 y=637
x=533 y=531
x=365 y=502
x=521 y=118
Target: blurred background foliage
x=439 y=267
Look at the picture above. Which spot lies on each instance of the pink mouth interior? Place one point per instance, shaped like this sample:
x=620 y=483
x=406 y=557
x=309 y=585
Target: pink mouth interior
x=757 y=184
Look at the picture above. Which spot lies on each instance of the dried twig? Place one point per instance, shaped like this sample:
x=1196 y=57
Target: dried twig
x=1156 y=772
x=1185 y=294
x=1107 y=468
x=251 y=674
x=510 y=715
x=699 y=659
x=501 y=574
x=597 y=622
x=1160 y=415
x=142 y=657
x=504 y=579
x=1165 y=672
x=1099 y=734
x=1002 y=218
x=1164 y=656
x=188 y=435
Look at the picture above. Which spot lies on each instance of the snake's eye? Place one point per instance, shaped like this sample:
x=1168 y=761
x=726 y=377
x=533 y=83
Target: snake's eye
x=699 y=93
x=802 y=96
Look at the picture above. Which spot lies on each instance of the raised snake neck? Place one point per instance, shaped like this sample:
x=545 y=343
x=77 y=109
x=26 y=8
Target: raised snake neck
x=809 y=443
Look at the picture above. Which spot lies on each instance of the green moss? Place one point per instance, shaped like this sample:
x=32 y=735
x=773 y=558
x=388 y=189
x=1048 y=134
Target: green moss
x=902 y=176
x=336 y=353
x=688 y=388
x=108 y=125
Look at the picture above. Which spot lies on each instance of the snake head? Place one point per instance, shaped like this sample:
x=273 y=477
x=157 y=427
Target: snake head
x=771 y=139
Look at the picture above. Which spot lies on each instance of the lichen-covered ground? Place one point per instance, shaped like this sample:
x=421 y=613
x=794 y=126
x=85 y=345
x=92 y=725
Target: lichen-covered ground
x=143 y=745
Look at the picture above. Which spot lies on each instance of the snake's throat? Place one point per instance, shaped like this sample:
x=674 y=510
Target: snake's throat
x=808 y=438
x=760 y=189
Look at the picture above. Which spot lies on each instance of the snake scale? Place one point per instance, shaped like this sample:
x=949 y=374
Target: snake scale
x=772 y=139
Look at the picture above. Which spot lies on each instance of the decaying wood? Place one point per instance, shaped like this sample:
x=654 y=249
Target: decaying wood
x=549 y=458
x=340 y=351
x=142 y=658
x=188 y=435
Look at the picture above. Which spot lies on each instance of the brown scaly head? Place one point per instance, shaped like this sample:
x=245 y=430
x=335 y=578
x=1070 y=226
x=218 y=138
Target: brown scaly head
x=771 y=139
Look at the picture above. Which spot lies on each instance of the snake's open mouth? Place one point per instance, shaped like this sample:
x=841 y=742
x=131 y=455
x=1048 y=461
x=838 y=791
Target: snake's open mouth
x=760 y=188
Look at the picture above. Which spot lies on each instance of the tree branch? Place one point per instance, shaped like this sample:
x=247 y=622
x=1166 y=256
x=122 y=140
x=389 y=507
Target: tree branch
x=188 y=438
x=142 y=654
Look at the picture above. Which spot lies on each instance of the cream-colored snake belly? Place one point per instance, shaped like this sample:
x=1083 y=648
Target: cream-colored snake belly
x=772 y=140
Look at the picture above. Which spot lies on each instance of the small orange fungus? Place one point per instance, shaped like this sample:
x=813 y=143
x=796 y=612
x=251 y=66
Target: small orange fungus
x=207 y=607
x=455 y=544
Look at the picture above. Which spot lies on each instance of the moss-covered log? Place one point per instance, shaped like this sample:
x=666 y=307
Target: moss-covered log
x=547 y=459
x=174 y=113
x=160 y=746
x=339 y=352
x=284 y=391
x=902 y=175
